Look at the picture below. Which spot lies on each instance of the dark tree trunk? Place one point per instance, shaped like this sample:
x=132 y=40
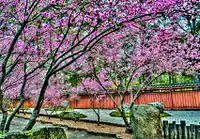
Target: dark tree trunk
x=4 y=112
x=98 y=115
x=3 y=121
x=97 y=112
x=22 y=99
x=36 y=111
x=123 y=114
x=10 y=118
x=5 y=72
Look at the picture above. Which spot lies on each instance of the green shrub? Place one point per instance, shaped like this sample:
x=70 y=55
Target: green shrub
x=165 y=114
x=118 y=114
x=71 y=115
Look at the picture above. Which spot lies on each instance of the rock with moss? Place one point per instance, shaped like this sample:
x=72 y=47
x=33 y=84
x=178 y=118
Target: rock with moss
x=71 y=115
x=15 y=135
x=41 y=133
x=146 y=122
x=158 y=105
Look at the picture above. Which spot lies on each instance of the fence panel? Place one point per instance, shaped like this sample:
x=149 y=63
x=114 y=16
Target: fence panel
x=171 y=100
x=180 y=131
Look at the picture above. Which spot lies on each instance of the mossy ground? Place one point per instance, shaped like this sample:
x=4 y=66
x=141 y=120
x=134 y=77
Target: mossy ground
x=118 y=114
x=70 y=115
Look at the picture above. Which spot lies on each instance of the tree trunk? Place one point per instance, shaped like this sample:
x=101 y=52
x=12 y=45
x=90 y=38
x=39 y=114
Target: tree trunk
x=122 y=112
x=4 y=72
x=10 y=118
x=36 y=110
x=4 y=112
x=3 y=121
x=98 y=116
x=97 y=113
x=22 y=99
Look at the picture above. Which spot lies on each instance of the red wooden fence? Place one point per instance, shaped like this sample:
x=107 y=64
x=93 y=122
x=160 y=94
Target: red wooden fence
x=173 y=98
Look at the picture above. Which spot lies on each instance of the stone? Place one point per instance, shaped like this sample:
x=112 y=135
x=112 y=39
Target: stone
x=41 y=133
x=158 y=105
x=146 y=122
x=15 y=135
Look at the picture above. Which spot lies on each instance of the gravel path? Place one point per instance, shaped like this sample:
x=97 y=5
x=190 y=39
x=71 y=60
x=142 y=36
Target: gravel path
x=18 y=124
x=191 y=117
x=104 y=116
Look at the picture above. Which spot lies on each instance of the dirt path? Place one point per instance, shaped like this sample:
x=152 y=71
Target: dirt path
x=103 y=128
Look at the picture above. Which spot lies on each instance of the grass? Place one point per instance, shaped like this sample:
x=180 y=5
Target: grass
x=117 y=114
x=71 y=115
x=165 y=114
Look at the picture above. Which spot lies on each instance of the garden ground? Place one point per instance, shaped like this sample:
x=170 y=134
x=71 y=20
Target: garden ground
x=191 y=117
x=93 y=127
x=19 y=122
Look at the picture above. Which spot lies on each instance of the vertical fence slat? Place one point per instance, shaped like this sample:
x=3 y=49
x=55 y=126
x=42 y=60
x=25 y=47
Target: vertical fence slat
x=165 y=129
x=198 y=131
x=174 y=129
x=178 y=129
x=170 y=131
x=183 y=127
x=188 y=132
x=192 y=131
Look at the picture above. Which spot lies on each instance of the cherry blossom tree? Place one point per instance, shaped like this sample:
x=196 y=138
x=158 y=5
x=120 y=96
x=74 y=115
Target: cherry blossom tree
x=119 y=59
x=61 y=32
x=82 y=29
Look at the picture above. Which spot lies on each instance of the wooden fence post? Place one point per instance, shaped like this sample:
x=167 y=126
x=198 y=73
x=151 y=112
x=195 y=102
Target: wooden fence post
x=165 y=129
x=188 y=132
x=178 y=129
x=198 y=131
x=183 y=127
x=192 y=131
x=174 y=128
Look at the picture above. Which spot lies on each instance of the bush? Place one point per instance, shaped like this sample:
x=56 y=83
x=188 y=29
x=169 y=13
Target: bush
x=118 y=114
x=165 y=114
x=71 y=115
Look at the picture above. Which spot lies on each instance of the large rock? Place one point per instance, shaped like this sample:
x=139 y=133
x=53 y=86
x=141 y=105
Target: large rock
x=158 y=105
x=41 y=133
x=146 y=122
x=15 y=135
